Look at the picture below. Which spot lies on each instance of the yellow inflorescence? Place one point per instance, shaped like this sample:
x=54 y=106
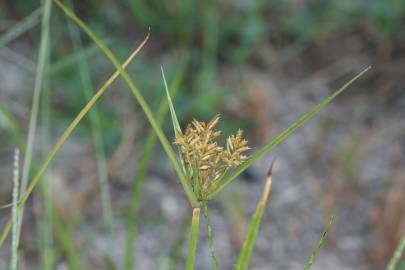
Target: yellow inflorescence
x=206 y=161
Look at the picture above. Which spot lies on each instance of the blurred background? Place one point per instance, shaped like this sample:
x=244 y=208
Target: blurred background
x=260 y=64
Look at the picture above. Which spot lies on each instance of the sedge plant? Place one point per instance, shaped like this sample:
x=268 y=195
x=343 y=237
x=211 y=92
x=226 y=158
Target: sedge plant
x=203 y=167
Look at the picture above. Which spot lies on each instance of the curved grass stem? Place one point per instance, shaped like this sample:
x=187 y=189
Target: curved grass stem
x=140 y=99
x=64 y=137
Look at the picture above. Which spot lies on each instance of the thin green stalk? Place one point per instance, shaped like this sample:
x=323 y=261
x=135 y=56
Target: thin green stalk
x=45 y=222
x=192 y=246
x=64 y=137
x=210 y=237
x=142 y=168
x=20 y=28
x=282 y=136
x=39 y=79
x=137 y=94
x=399 y=251
x=254 y=226
x=14 y=212
x=318 y=245
x=87 y=87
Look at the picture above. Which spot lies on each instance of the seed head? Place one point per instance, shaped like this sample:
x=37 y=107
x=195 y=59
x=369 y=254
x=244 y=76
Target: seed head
x=206 y=162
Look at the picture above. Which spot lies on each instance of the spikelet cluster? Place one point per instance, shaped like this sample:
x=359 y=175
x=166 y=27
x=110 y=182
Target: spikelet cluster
x=204 y=159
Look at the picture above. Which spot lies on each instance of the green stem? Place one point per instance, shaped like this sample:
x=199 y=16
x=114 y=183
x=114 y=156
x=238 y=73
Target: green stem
x=39 y=79
x=45 y=226
x=210 y=237
x=192 y=246
x=14 y=212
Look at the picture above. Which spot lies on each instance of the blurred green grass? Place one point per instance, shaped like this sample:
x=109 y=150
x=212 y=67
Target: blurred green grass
x=216 y=35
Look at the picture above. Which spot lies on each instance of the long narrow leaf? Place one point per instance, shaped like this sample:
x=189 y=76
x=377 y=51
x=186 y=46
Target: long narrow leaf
x=137 y=94
x=318 y=246
x=399 y=251
x=38 y=85
x=64 y=137
x=251 y=235
x=192 y=246
x=282 y=136
x=175 y=122
x=29 y=22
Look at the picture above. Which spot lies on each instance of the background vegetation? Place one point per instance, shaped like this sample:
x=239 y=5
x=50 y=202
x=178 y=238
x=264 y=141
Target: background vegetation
x=260 y=64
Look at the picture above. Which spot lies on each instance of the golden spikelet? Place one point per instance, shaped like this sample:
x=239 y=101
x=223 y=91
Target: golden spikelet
x=206 y=161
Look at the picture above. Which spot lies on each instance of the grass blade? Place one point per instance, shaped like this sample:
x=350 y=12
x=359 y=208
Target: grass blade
x=192 y=246
x=251 y=235
x=210 y=237
x=44 y=222
x=175 y=122
x=399 y=251
x=39 y=81
x=143 y=166
x=14 y=212
x=137 y=94
x=318 y=245
x=282 y=136
x=20 y=28
x=64 y=137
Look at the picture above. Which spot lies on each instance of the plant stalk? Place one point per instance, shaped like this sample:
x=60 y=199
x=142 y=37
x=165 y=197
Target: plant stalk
x=192 y=246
